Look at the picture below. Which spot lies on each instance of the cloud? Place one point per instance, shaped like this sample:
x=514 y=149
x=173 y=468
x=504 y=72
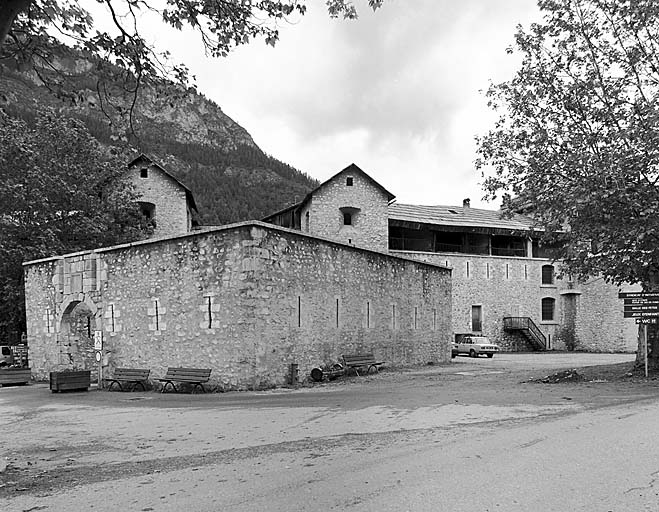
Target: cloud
x=397 y=91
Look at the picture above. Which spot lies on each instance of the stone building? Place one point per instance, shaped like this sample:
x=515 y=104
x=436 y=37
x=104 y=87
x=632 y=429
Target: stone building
x=504 y=282
x=164 y=200
x=246 y=300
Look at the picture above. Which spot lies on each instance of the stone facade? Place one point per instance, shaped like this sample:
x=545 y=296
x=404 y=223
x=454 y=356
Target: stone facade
x=163 y=199
x=497 y=271
x=349 y=196
x=245 y=300
x=589 y=312
x=350 y=207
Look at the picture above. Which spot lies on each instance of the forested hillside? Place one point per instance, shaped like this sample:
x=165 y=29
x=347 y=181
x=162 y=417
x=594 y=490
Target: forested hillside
x=229 y=175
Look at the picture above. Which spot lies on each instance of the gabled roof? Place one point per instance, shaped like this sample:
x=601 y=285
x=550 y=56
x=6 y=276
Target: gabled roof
x=188 y=192
x=459 y=216
x=351 y=169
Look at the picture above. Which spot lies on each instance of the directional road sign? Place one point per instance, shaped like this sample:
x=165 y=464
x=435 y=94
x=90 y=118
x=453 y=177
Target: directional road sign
x=639 y=295
x=647 y=320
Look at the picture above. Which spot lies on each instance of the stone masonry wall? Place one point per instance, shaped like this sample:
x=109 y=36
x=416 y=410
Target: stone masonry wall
x=172 y=216
x=507 y=286
x=61 y=296
x=370 y=227
x=249 y=300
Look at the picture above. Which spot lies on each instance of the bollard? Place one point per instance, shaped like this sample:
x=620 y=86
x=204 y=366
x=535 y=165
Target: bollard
x=295 y=374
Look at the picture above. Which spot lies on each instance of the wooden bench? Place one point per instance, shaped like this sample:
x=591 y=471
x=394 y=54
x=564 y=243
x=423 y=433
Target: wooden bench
x=356 y=361
x=194 y=376
x=132 y=376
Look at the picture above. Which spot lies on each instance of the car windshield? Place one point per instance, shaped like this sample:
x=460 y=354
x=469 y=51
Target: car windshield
x=482 y=340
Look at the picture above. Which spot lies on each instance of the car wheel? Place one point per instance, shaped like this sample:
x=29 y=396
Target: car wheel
x=490 y=355
x=473 y=353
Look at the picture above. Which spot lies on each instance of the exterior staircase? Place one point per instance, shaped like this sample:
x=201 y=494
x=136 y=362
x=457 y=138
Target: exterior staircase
x=528 y=328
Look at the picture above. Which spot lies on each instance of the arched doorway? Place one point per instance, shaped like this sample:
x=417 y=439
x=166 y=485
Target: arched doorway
x=76 y=336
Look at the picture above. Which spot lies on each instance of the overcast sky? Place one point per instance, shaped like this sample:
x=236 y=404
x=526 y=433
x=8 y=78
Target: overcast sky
x=399 y=92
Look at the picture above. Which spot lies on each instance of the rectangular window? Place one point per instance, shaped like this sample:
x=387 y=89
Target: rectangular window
x=487 y=270
x=548 y=274
x=467 y=269
x=209 y=309
x=49 y=320
x=337 y=313
x=112 y=317
x=477 y=318
x=548 y=307
x=526 y=272
x=349 y=181
x=507 y=271
x=368 y=314
x=144 y=173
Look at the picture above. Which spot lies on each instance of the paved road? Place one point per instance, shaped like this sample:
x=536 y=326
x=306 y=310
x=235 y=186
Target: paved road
x=474 y=436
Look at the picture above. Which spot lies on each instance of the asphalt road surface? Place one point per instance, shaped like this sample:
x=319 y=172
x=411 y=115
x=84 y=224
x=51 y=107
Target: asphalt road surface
x=474 y=435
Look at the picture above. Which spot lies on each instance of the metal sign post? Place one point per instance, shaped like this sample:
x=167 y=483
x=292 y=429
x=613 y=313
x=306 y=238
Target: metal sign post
x=645 y=332
x=644 y=307
x=98 y=348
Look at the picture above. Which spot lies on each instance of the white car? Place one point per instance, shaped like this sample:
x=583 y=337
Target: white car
x=474 y=346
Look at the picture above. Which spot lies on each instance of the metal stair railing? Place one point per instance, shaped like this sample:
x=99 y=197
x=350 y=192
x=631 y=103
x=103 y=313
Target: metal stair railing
x=528 y=327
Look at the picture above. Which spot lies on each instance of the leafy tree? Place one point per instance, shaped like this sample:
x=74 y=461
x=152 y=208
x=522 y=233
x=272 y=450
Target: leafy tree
x=577 y=142
x=27 y=28
x=60 y=193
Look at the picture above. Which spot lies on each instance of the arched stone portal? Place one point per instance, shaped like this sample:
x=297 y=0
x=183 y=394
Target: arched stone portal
x=75 y=337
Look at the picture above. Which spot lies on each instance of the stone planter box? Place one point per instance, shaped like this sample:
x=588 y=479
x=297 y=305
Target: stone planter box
x=14 y=376
x=70 y=380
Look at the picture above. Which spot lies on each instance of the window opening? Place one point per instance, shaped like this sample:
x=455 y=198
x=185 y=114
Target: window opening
x=507 y=271
x=144 y=173
x=548 y=274
x=368 y=314
x=548 y=307
x=49 y=320
x=337 y=312
x=347 y=219
x=89 y=327
x=349 y=181
x=526 y=272
x=467 y=269
x=477 y=318
x=155 y=303
x=299 y=311
x=209 y=302
x=112 y=317
x=487 y=270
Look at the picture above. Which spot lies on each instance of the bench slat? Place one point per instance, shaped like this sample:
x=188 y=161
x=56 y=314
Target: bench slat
x=195 y=376
x=356 y=361
x=133 y=376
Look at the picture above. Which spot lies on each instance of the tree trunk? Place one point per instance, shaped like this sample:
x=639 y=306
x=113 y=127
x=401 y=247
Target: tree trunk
x=653 y=348
x=9 y=9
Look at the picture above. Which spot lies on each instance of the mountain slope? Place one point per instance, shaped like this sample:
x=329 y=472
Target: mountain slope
x=231 y=178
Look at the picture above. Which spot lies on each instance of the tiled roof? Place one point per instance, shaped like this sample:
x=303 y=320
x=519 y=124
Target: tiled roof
x=458 y=216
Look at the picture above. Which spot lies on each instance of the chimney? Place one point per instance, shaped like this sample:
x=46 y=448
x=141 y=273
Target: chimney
x=466 y=203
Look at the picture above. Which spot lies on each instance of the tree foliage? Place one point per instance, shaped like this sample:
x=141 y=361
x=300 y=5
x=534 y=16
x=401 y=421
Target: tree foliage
x=577 y=141
x=30 y=31
x=60 y=193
